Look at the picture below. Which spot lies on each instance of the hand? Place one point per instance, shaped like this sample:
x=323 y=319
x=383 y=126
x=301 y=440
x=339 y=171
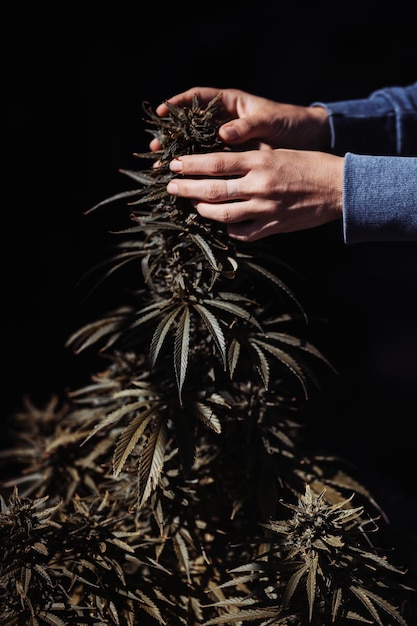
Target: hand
x=259 y=122
x=261 y=192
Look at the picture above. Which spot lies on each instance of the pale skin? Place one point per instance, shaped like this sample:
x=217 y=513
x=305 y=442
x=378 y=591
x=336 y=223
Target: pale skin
x=276 y=177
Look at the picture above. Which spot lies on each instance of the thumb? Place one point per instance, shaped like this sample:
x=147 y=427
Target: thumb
x=241 y=130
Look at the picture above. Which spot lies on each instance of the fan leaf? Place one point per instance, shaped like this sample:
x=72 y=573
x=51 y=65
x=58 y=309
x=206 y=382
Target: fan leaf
x=181 y=347
x=160 y=334
x=129 y=438
x=214 y=328
x=151 y=461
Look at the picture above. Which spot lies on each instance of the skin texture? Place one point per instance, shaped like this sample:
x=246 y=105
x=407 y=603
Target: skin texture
x=275 y=177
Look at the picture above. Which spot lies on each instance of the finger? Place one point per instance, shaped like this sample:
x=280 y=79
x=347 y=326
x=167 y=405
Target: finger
x=243 y=129
x=243 y=222
x=226 y=213
x=155 y=145
x=237 y=212
x=212 y=164
x=252 y=230
x=213 y=190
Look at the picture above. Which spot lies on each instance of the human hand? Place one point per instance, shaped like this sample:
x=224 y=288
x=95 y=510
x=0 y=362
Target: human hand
x=258 y=122
x=262 y=192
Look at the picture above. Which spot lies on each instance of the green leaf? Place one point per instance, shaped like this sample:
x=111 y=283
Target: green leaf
x=181 y=551
x=214 y=328
x=206 y=250
x=311 y=582
x=300 y=344
x=151 y=461
x=182 y=342
x=277 y=281
x=206 y=414
x=116 y=416
x=157 y=309
x=161 y=333
x=293 y=584
x=120 y=196
x=234 y=310
x=368 y=599
x=233 y=355
x=91 y=333
x=262 y=365
x=287 y=360
x=129 y=437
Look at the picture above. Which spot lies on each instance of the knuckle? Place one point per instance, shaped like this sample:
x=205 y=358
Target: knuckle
x=216 y=164
x=225 y=215
x=215 y=192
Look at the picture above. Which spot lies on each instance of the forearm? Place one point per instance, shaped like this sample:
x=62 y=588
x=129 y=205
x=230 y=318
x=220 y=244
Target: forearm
x=379 y=198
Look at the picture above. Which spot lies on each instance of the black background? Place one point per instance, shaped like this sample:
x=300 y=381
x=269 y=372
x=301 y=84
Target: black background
x=73 y=84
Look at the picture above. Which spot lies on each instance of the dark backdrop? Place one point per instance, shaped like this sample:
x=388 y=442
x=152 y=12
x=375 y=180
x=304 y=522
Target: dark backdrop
x=74 y=81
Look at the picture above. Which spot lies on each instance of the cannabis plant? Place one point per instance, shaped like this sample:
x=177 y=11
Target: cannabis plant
x=173 y=487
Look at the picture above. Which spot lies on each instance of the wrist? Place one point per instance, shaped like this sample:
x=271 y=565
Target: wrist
x=336 y=184
x=321 y=125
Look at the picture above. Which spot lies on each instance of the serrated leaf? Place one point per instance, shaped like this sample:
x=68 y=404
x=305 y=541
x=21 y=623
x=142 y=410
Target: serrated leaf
x=92 y=333
x=120 y=196
x=277 y=281
x=244 y=616
x=311 y=582
x=262 y=365
x=287 y=360
x=306 y=346
x=381 y=561
x=233 y=356
x=234 y=310
x=181 y=347
x=293 y=584
x=50 y=618
x=368 y=598
x=206 y=414
x=149 y=607
x=214 y=328
x=160 y=334
x=116 y=416
x=206 y=249
x=151 y=461
x=139 y=176
x=364 y=598
x=123 y=545
x=150 y=312
x=181 y=551
x=337 y=597
x=129 y=438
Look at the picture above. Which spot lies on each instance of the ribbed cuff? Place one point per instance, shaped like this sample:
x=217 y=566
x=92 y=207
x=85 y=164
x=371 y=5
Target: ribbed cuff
x=379 y=198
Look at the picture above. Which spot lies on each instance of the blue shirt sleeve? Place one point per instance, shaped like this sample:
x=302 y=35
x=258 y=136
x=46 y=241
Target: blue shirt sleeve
x=378 y=136
x=383 y=124
x=379 y=198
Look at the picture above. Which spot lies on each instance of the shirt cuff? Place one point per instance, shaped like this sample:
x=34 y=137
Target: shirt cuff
x=379 y=198
x=385 y=123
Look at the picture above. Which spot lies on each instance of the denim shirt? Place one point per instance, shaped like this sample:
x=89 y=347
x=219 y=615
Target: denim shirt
x=378 y=137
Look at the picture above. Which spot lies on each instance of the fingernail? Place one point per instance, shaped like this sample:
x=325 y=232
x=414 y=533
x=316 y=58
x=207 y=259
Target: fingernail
x=175 y=165
x=172 y=188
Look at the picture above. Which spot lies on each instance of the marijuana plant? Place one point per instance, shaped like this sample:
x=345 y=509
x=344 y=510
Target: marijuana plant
x=153 y=493
x=317 y=567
